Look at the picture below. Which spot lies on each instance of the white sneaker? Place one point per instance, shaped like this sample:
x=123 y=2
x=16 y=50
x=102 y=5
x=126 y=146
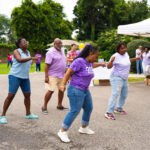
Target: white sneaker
x=86 y=130
x=63 y=136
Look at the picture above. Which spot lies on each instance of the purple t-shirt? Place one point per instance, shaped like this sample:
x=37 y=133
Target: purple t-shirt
x=83 y=73
x=78 y=52
x=57 y=62
x=121 y=65
x=39 y=60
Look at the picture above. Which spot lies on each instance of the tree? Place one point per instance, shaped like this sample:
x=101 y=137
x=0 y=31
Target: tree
x=6 y=32
x=40 y=23
x=129 y=12
x=96 y=16
x=92 y=17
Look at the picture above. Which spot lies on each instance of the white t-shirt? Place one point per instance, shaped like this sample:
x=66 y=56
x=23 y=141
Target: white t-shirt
x=146 y=58
x=138 y=51
x=121 y=65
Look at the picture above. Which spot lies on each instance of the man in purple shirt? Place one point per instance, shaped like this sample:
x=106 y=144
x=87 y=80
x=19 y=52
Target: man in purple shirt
x=55 y=65
x=38 y=62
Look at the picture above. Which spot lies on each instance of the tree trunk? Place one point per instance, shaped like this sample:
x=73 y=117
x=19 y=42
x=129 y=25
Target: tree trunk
x=92 y=32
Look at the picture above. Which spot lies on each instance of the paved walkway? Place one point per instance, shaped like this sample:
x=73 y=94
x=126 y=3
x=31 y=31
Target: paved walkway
x=130 y=132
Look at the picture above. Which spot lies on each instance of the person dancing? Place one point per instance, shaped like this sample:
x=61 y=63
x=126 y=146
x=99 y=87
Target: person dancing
x=120 y=62
x=78 y=92
x=19 y=77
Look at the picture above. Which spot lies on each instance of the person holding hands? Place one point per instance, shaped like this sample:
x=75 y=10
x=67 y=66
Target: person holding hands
x=81 y=71
x=120 y=62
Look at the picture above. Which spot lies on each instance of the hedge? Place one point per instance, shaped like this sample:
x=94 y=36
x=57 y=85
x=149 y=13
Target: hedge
x=9 y=46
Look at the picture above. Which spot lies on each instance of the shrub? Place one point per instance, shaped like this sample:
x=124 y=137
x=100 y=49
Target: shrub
x=107 y=42
x=131 y=48
x=105 y=55
x=9 y=46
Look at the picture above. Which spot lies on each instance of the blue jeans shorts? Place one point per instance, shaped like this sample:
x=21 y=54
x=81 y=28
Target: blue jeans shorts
x=15 y=83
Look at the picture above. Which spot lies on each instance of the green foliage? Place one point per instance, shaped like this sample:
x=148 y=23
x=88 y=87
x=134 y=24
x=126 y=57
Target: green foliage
x=107 y=42
x=9 y=46
x=40 y=23
x=96 y=16
x=126 y=12
x=6 y=32
x=92 y=17
x=137 y=11
x=131 y=48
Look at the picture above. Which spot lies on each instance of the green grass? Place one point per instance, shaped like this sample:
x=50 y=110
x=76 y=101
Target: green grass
x=135 y=79
x=5 y=70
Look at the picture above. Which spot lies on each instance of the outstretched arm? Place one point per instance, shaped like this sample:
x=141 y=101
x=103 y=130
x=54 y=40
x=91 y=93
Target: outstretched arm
x=134 y=59
x=22 y=60
x=99 y=64
x=110 y=64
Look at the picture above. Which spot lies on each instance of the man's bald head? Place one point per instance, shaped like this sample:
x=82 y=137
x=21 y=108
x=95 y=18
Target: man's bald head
x=58 y=44
x=57 y=40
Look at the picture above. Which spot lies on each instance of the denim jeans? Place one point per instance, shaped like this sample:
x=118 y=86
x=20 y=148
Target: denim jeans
x=78 y=99
x=38 y=66
x=9 y=63
x=139 y=67
x=119 y=89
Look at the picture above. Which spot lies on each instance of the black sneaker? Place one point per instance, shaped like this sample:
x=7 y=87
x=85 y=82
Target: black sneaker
x=44 y=111
x=61 y=108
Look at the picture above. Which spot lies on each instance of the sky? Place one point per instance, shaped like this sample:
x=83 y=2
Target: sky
x=6 y=6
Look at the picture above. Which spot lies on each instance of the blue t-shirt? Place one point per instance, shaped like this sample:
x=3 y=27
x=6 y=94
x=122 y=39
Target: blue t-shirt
x=21 y=70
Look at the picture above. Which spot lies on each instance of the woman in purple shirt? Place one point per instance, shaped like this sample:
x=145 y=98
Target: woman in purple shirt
x=120 y=62
x=79 y=95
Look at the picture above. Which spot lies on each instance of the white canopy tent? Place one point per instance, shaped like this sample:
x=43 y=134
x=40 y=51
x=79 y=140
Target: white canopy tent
x=141 y=28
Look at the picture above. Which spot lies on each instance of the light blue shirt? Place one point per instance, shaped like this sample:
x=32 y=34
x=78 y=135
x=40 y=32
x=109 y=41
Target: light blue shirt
x=21 y=70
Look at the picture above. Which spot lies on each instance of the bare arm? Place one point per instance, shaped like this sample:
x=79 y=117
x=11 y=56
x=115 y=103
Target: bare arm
x=69 y=59
x=99 y=64
x=22 y=60
x=139 y=53
x=134 y=59
x=66 y=78
x=110 y=64
x=46 y=73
